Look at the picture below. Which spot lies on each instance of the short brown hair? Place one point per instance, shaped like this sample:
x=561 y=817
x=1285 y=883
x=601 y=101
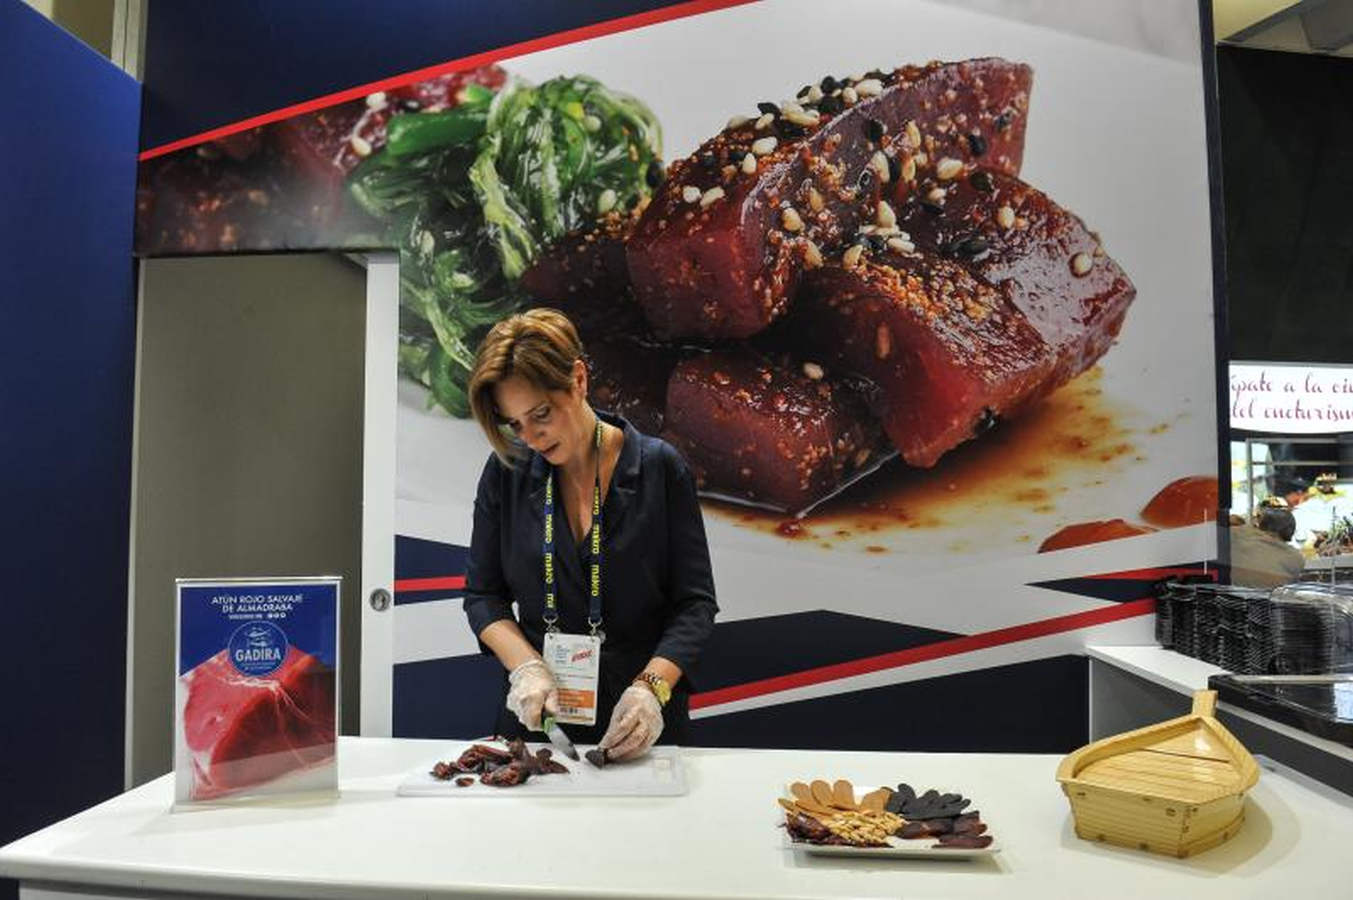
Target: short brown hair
x=540 y=345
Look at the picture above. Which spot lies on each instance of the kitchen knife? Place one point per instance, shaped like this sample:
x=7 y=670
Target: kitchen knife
x=558 y=738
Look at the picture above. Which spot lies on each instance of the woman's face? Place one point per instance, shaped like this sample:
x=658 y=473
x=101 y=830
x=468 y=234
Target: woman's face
x=555 y=424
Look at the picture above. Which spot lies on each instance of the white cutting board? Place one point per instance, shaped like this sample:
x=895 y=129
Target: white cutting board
x=658 y=773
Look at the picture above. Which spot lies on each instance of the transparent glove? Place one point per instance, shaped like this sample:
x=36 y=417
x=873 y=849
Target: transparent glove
x=635 y=725
x=531 y=689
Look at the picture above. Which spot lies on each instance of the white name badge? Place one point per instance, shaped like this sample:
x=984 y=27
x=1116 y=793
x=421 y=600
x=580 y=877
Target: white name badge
x=575 y=660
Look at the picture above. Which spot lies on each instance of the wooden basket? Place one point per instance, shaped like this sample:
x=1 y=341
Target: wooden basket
x=1176 y=788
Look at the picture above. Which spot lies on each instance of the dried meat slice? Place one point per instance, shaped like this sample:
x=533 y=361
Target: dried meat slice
x=949 y=353
x=719 y=250
x=758 y=429
x=1053 y=268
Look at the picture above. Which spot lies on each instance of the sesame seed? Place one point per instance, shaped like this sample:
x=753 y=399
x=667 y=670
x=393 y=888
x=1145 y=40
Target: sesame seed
x=828 y=84
x=851 y=258
x=737 y=122
x=901 y=245
x=591 y=123
x=813 y=371
x=922 y=159
x=606 y=202
x=977 y=144
x=814 y=94
x=913 y=134
x=749 y=164
x=360 y=145
x=870 y=87
x=849 y=96
x=855 y=76
x=768 y=108
x=884 y=215
x=948 y=168
x=1005 y=217
x=764 y=122
x=879 y=163
x=874 y=129
x=908 y=169
x=1081 y=264
x=710 y=196
x=789 y=106
x=935 y=195
x=815 y=201
x=763 y=146
x=812 y=256
x=883 y=342
x=861 y=457
x=789 y=218
x=690 y=193
x=377 y=101
x=808 y=118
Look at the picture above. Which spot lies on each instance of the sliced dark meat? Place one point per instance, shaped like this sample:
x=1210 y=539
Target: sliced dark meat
x=197 y=202
x=964 y=842
x=719 y=250
x=584 y=272
x=948 y=352
x=1052 y=267
x=510 y=775
x=768 y=430
x=629 y=376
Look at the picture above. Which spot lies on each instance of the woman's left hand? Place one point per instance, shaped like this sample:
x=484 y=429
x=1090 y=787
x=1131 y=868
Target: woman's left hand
x=635 y=725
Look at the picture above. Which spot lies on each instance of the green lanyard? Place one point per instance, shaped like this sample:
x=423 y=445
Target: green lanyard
x=594 y=601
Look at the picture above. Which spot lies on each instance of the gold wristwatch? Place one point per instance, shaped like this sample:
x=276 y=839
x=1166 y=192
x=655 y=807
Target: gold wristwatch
x=660 y=688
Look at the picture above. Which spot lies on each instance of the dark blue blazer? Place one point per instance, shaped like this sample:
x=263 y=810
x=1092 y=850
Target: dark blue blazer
x=657 y=586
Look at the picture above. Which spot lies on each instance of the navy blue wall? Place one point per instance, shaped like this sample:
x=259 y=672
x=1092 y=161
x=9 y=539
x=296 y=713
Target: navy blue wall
x=214 y=64
x=67 y=318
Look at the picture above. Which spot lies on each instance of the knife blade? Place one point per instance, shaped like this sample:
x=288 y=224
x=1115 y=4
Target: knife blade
x=558 y=738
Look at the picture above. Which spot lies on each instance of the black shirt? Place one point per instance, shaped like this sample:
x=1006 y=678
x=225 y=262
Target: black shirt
x=657 y=588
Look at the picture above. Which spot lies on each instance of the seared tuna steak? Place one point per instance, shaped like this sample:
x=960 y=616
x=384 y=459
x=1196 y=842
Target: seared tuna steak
x=761 y=429
x=719 y=250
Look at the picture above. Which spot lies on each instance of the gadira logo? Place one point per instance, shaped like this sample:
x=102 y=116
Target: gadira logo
x=257 y=648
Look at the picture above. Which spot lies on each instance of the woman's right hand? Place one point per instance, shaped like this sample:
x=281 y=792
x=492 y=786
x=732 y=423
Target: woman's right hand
x=531 y=691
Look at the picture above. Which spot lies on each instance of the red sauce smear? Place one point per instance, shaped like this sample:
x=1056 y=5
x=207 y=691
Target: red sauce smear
x=1084 y=533
x=1185 y=501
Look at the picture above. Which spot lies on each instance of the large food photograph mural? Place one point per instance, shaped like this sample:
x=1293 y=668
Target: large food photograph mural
x=923 y=296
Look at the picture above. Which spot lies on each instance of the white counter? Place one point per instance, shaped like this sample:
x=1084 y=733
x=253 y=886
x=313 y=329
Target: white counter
x=720 y=840
x=1185 y=675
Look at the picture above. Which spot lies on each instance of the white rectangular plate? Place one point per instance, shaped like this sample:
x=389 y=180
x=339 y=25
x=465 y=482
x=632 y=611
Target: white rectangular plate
x=658 y=773
x=897 y=849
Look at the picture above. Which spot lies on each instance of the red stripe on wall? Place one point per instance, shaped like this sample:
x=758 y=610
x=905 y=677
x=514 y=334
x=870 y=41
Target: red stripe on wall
x=535 y=45
x=938 y=650
x=1152 y=574
x=446 y=583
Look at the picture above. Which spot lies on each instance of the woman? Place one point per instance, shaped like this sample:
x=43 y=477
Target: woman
x=632 y=584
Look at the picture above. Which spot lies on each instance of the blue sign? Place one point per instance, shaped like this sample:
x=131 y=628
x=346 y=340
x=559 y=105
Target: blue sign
x=256 y=693
x=256 y=619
